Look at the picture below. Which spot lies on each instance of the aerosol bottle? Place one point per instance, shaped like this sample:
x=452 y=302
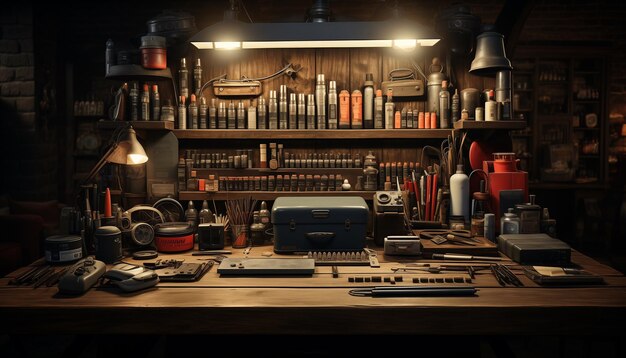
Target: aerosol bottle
x=133 y=95
x=293 y=111
x=444 y=106
x=379 y=110
x=203 y=112
x=389 y=115
x=221 y=116
x=241 y=115
x=282 y=108
x=301 y=111
x=182 y=113
x=206 y=216
x=156 y=103
x=191 y=215
x=320 y=101
x=183 y=78
x=368 y=101
x=357 y=110
x=192 y=120
x=262 y=114
x=145 y=103
x=272 y=109
x=212 y=115
x=197 y=77
x=459 y=194
x=344 y=109
x=333 y=114
x=456 y=106
x=231 y=116
x=310 y=111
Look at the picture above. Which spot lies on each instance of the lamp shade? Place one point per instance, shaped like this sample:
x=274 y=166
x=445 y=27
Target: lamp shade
x=236 y=34
x=128 y=151
x=490 y=54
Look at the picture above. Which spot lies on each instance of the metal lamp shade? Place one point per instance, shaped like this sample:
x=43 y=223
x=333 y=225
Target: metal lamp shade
x=490 y=54
x=128 y=151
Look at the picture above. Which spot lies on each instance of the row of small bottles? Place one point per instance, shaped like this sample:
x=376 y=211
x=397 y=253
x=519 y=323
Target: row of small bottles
x=88 y=107
x=325 y=109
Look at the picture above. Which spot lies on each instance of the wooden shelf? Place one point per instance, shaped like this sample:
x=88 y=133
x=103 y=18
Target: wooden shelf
x=585 y=129
x=589 y=156
x=266 y=195
x=149 y=125
x=586 y=101
x=134 y=72
x=312 y=134
x=508 y=125
x=265 y=171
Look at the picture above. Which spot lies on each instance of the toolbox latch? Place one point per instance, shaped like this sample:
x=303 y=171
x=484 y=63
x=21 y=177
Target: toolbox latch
x=346 y=224
x=292 y=225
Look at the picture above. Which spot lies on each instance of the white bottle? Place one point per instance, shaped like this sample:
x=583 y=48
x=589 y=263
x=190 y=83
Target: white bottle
x=459 y=193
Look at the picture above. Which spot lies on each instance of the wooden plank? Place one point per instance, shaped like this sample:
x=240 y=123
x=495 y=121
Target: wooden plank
x=310 y=134
x=335 y=65
x=267 y=195
x=148 y=125
x=507 y=125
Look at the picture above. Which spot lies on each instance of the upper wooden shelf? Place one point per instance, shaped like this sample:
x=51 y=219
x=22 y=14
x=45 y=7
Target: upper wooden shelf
x=312 y=134
x=490 y=124
x=151 y=125
x=129 y=72
x=267 y=195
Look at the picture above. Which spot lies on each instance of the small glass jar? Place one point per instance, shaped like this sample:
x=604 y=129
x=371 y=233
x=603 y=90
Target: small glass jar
x=509 y=223
x=478 y=224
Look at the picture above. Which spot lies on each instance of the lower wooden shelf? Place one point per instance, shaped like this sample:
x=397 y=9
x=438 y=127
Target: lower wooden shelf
x=266 y=195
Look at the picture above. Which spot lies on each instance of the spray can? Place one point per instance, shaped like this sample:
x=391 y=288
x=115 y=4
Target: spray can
x=212 y=115
x=134 y=101
x=389 y=119
x=231 y=116
x=456 y=106
x=145 y=103
x=197 y=77
x=156 y=103
x=192 y=113
x=241 y=115
x=182 y=113
x=203 y=110
x=282 y=108
x=357 y=110
x=310 y=111
x=262 y=114
x=368 y=101
x=444 y=106
x=183 y=78
x=379 y=110
x=251 y=121
x=333 y=114
x=301 y=111
x=344 y=109
x=272 y=108
x=293 y=111
x=221 y=116
x=320 y=101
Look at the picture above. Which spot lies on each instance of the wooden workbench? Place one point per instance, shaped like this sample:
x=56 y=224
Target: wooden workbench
x=319 y=304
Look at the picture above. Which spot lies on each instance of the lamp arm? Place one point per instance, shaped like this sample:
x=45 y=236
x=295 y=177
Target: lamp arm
x=99 y=164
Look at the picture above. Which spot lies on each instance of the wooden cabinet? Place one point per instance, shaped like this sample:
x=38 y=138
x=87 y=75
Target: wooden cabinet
x=561 y=93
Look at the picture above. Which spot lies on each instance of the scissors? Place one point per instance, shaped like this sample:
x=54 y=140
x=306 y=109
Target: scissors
x=439 y=236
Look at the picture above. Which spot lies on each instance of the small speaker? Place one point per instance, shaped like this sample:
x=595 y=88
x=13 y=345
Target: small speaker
x=210 y=236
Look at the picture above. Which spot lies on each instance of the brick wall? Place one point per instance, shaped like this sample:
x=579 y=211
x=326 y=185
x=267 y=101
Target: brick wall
x=28 y=148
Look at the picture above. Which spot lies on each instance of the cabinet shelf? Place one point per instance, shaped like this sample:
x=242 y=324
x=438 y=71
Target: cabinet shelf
x=148 y=125
x=586 y=101
x=267 y=195
x=136 y=72
x=585 y=129
x=508 y=125
x=332 y=134
x=249 y=171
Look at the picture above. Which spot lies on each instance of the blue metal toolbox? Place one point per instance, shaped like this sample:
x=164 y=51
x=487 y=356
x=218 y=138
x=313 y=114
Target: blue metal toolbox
x=303 y=224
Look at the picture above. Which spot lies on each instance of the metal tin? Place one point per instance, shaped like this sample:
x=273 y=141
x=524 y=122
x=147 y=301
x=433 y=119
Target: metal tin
x=108 y=240
x=63 y=248
x=434 y=87
x=174 y=237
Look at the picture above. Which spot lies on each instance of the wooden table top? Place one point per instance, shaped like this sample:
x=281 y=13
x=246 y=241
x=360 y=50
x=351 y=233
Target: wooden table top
x=320 y=304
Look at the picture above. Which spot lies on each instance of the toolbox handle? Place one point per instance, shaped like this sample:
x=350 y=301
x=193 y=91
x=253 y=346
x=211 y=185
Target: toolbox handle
x=319 y=235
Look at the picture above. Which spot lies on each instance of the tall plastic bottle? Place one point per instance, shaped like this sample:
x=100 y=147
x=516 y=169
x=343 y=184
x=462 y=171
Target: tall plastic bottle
x=459 y=193
x=368 y=101
x=444 y=106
